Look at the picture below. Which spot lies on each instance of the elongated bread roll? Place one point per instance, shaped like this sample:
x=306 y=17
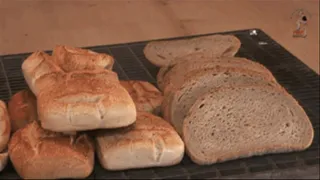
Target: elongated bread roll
x=5 y=127
x=4 y=156
x=150 y=142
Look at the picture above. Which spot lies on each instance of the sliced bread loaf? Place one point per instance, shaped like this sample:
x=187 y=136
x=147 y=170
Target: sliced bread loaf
x=177 y=74
x=200 y=83
x=238 y=122
x=164 y=53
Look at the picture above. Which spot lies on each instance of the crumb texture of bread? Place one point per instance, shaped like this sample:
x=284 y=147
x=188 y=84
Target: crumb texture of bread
x=84 y=97
x=237 y=122
x=168 y=52
x=22 y=109
x=145 y=95
x=5 y=127
x=150 y=142
x=40 y=154
x=200 y=83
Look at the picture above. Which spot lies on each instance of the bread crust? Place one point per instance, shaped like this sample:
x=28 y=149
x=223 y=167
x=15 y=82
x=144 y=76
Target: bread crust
x=145 y=96
x=150 y=142
x=5 y=127
x=32 y=147
x=83 y=99
x=22 y=109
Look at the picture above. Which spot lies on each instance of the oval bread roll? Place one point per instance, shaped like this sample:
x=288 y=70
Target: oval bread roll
x=3 y=160
x=145 y=96
x=5 y=127
x=22 y=109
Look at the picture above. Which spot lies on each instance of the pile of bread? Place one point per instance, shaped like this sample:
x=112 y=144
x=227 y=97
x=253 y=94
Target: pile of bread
x=77 y=107
x=212 y=105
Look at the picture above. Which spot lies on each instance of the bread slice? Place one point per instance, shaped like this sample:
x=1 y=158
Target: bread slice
x=145 y=95
x=22 y=109
x=39 y=154
x=150 y=142
x=238 y=122
x=70 y=59
x=164 y=53
x=200 y=83
x=5 y=127
x=79 y=100
x=177 y=74
x=4 y=156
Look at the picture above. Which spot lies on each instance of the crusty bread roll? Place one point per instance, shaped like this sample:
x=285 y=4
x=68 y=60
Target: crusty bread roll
x=70 y=59
x=78 y=100
x=150 y=142
x=22 y=109
x=4 y=156
x=145 y=95
x=5 y=127
x=40 y=154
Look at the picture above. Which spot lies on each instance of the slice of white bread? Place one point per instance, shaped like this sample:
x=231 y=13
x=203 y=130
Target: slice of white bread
x=4 y=156
x=200 y=83
x=238 y=122
x=79 y=100
x=40 y=154
x=166 y=52
x=145 y=95
x=150 y=142
x=177 y=74
x=5 y=127
x=22 y=109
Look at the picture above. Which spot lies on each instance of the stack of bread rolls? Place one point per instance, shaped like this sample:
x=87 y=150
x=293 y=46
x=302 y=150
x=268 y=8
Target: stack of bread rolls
x=71 y=93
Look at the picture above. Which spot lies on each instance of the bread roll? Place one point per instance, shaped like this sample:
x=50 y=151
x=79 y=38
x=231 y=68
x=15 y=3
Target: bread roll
x=145 y=96
x=78 y=100
x=150 y=142
x=22 y=109
x=5 y=127
x=40 y=154
x=4 y=156
x=70 y=59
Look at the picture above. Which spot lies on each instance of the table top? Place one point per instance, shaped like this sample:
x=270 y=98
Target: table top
x=31 y=25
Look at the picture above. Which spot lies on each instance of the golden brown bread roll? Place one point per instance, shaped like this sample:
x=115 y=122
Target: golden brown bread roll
x=22 y=109
x=77 y=100
x=5 y=127
x=40 y=154
x=4 y=156
x=70 y=59
x=145 y=96
x=150 y=142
